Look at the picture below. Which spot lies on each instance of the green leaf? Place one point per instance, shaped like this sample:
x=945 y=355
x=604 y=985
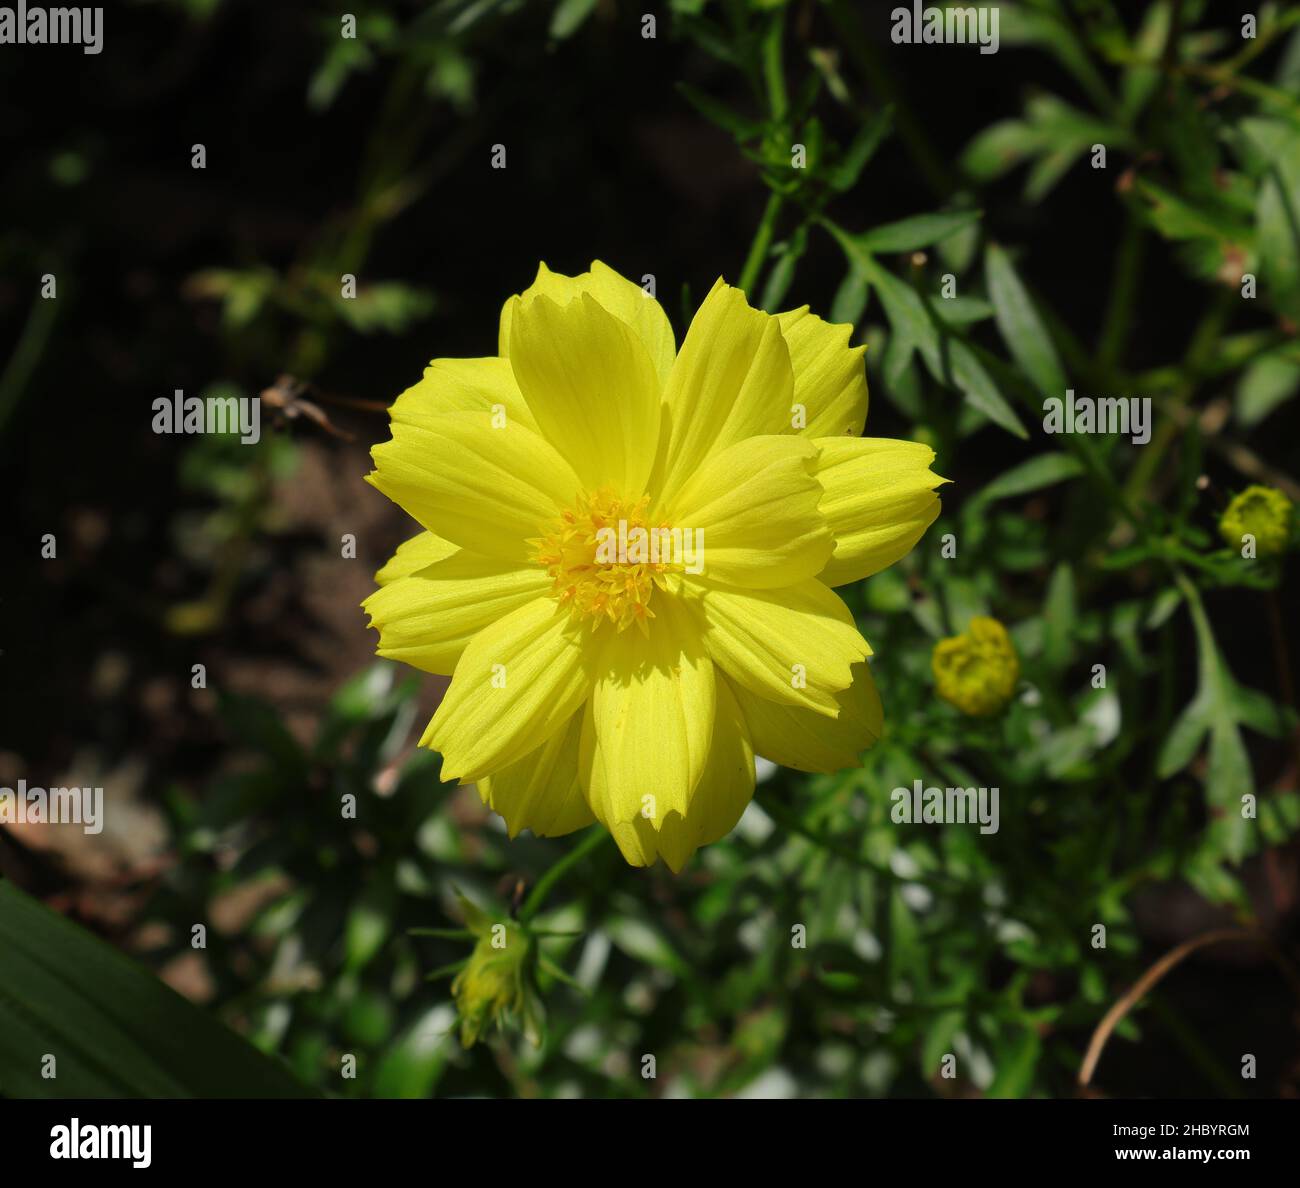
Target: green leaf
x=1277 y=215
x=1048 y=170
x=1162 y=606
x=962 y=311
x=1059 y=617
x=1175 y=217
x=912 y=326
x=900 y=376
x=1054 y=133
x=716 y=113
x=113 y=1028
x=478 y=921
x=999 y=148
x=975 y=383
x=1279 y=817
x=569 y=16
x=1142 y=76
x=645 y=942
x=918 y=231
x=938 y=1041
x=1016 y=1063
x=1288 y=69
x=850 y=301
x=414 y=1062
x=369 y=921
x=1019 y=324
x=1183 y=741
x=1217 y=708
x=345 y=57
x=1228 y=778
x=950 y=361
x=1206 y=873
x=390 y=306
x=1268 y=383
x=1260 y=712
x=1042 y=470
x=782 y=274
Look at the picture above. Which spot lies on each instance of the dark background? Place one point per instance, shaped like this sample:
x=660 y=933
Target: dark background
x=605 y=160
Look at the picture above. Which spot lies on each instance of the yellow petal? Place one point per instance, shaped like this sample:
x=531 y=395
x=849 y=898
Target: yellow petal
x=413 y=555
x=636 y=841
x=718 y=802
x=731 y=380
x=626 y=301
x=487 y=489
x=541 y=791
x=795 y=644
x=426 y=619
x=879 y=501
x=753 y=508
x=830 y=379
x=463 y=385
x=516 y=683
x=591 y=387
x=807 y=741
x=646 y=734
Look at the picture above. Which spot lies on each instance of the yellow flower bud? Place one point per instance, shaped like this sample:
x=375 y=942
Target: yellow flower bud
x=1262 y=512
x=977 y=672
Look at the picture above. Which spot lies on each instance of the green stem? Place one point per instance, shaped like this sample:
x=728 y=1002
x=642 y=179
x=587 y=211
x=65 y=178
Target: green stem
x=1171 y=427
x=31 y=345
x=762 y=242
x=537 y=897
x=1123 y=298
x=774 y=69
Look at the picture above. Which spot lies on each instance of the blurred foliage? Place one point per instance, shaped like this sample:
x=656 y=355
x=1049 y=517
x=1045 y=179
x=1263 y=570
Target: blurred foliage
x=920 y=940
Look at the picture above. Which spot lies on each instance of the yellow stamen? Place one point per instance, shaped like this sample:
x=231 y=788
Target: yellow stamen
x=581 y=552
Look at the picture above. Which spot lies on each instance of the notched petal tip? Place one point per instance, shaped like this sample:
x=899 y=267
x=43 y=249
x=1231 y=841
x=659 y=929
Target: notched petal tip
x=720 y=283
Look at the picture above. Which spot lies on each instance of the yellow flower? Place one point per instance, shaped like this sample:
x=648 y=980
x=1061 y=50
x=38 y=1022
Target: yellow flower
x=1262 y=512
x=593 y=678
x=977 y=672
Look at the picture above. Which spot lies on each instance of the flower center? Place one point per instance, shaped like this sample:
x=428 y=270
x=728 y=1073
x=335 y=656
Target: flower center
x=605 y=560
